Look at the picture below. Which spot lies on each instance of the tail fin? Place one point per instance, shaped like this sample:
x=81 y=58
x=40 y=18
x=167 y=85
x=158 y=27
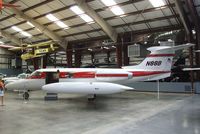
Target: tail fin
x=160 y=58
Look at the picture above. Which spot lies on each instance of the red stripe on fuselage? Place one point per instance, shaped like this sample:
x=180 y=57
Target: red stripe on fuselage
x=111 y=75
x=83 y=75
x=147 y=73
x=161 y=55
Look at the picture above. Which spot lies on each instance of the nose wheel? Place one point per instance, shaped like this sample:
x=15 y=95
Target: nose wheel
x=26 y=95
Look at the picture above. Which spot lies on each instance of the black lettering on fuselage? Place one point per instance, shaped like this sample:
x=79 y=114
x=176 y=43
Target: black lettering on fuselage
x=153 y=63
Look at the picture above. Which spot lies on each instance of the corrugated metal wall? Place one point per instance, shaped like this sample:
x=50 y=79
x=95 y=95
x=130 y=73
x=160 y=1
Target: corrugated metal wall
x=5 y=58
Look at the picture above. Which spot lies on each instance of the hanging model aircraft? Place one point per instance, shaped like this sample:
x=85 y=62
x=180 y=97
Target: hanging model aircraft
x=2 y=5
x=93 y=81
x=36 y=50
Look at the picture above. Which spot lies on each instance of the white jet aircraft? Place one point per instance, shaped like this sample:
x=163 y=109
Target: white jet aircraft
x=92 y=81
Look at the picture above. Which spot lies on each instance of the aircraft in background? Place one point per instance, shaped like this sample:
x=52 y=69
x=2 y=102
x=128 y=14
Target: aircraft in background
x=2 y=5
x=92 y=81
x=36 y=50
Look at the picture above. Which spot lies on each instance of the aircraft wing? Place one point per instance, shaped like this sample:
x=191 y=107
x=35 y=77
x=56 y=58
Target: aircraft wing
x=15 y=48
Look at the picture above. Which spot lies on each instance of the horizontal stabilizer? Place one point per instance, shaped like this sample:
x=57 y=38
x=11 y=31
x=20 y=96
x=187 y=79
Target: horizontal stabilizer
x=169 y=48
x=191 y=69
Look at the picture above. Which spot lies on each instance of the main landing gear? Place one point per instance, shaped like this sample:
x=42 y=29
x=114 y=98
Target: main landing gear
x=92 y=97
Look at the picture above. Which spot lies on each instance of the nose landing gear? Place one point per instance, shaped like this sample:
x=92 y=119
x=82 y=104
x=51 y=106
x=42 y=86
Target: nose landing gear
x=26 y=95
x=92 y=97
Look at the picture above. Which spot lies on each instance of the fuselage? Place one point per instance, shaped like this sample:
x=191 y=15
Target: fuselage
x=120 y=76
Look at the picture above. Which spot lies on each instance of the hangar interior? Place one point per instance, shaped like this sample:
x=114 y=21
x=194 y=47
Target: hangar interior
x=42 y=34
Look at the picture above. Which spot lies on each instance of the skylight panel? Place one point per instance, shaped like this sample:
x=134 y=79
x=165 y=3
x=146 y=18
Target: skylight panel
x=25 y=34
x=117 y=10
x=30 y=24
x=157 y=3
x=86 y=18
x=61 y=24
x=113 y=7
x=51 y=17
x=77 y=10
x=21 y=31
x=82 y=14
x=16 y=29
x=109 y=2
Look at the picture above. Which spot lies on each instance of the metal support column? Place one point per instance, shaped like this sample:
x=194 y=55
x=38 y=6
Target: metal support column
x=35 y=63
x=126 y=38
x=69 y=55
x=119 y=52
x=196 y=20
x=77 y=58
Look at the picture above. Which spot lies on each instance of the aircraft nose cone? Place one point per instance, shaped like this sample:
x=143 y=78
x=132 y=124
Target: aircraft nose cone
x=10 y=86
x=16 y=85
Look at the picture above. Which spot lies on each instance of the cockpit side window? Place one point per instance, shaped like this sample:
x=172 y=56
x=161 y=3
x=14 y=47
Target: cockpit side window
x=37 y=75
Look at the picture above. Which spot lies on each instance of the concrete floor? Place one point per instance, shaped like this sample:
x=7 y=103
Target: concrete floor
x=128 y=112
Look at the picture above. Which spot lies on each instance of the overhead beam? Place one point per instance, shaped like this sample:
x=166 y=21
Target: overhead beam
x=42 y=28
x=183 y=16
x=138 y=32
x=10 y=37
x=109 y=30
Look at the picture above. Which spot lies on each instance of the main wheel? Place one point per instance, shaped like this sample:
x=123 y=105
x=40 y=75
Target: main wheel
x=92 y=97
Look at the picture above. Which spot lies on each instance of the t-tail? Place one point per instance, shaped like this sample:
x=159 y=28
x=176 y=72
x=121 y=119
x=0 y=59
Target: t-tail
x=157 y=65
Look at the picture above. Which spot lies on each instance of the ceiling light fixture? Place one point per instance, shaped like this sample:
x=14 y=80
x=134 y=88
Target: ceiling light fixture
x=16 y=29
x=51 y=17
x=1 y=42
x=21 y=31
x=62 y=25
x=109 y=2
x=25 y=34
x=113 y=7
x=157 y=3
x=86 y=18
x=30 y=24
x=77 y=10
x=82 y=14
x=117 y=10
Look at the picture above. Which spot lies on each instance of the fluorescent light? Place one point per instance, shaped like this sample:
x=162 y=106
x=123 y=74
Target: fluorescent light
x=25 y=34
x=193 y=32
x=89 y=49
x=38 y=30
x=86 y=18
x=1 y=42
x=117 y=10
x=51 y=17
x=30 y=24
x=77 y=10
x=109 y=2
x=16 y=29
x=157 y=3
x=61 y=24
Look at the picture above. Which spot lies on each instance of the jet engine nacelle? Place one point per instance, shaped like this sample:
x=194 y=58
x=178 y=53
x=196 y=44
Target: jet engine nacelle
x=85 y=87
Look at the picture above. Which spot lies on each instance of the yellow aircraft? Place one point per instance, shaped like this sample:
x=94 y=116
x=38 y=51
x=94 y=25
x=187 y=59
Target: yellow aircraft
x=36 y=50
